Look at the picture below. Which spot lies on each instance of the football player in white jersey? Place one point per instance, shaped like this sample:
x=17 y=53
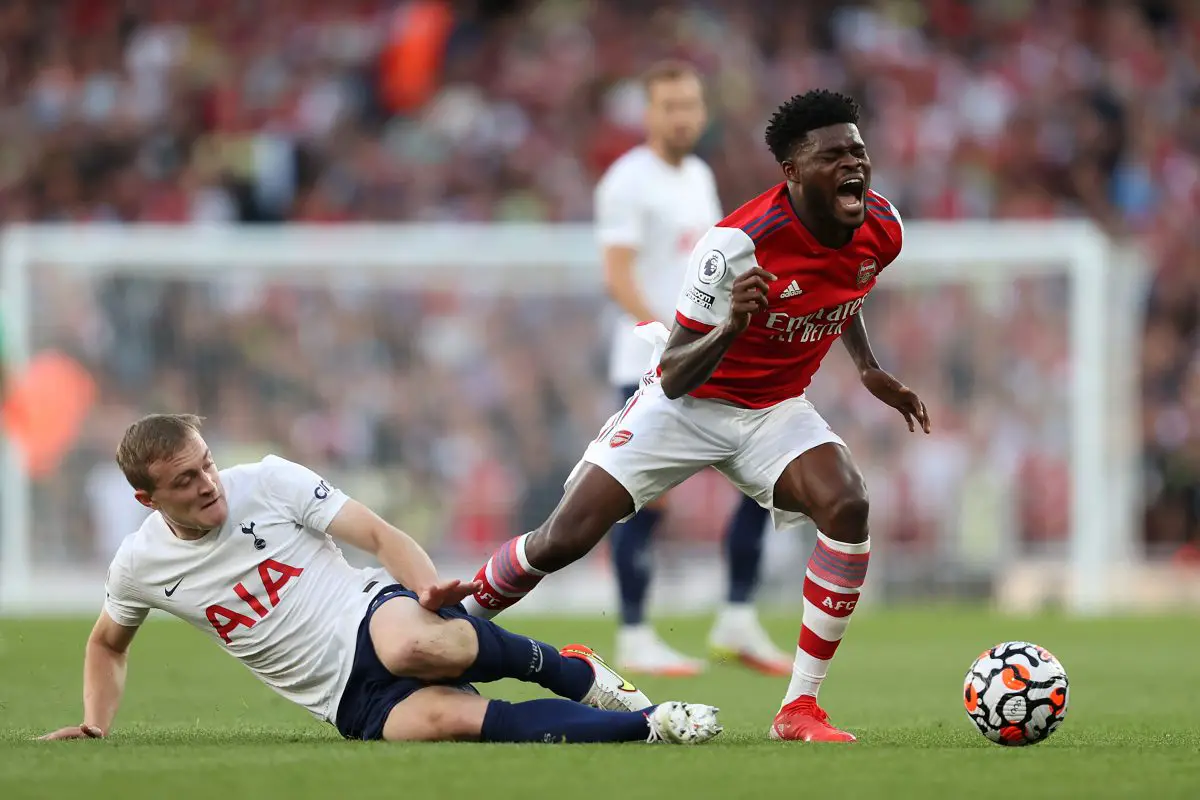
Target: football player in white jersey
x=652 y=206
x=248 y=556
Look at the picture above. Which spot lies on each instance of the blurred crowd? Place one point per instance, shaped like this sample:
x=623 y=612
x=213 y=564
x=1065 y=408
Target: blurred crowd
x=468 y=414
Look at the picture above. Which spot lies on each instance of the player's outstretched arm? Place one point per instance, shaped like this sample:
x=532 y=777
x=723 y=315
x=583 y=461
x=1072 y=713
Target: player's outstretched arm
x=879 y=381
x=104 y=666
x=691 y=357
x=400 y=555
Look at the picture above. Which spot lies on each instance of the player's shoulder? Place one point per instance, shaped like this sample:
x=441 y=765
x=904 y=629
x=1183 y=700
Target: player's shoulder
x=885 y=223
x=285 y=480
x=743 y=230
x=629 y=166
x=696 y=166
x=139 y=545
x=271 y=472
x=240 y=477
x=729 y=242
x=760 y=217
x=272 y=464
x=262 y=487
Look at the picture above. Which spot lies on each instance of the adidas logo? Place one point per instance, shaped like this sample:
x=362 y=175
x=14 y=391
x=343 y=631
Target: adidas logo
x=792 y=290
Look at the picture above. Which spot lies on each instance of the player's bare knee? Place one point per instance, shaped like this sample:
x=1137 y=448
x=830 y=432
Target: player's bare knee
x=846 y=518
x=439 y=722
x=399 y=653
x=461 y=647
x=428 y=651
x=436 y=714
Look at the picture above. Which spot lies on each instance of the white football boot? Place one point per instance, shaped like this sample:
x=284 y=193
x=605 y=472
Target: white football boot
x=609 y=691
x=738 y=636
x=640 y=651
x=683 y=723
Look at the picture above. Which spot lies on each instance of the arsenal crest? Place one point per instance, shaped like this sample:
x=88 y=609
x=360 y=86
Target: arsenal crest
x=866 y=271
x=619 y=438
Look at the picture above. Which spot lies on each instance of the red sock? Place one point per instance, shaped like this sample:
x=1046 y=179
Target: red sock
x=506 y=577
x=836 y=572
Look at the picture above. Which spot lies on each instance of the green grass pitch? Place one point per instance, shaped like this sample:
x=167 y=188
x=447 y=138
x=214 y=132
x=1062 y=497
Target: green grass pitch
x=196 y=724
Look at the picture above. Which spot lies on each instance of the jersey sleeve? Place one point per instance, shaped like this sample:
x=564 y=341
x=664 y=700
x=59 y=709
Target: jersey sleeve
x=620 y=220
x=122 y=601
x=892 y=228
x=718 y=259
x=303 y=495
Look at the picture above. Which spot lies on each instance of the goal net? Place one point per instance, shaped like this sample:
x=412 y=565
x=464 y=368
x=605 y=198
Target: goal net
x=450 y=376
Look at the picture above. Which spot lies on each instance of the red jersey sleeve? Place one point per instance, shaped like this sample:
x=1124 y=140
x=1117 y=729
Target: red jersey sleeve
x=718 y=259
x=889 y=228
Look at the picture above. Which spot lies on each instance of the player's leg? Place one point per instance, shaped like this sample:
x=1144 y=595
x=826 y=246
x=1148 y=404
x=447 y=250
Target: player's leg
x=650 y=446
x=639 y=648
x=824 y=484
x=443 y=713
x=738 y=635
x=450 y=646
x=632 y=561
x=795 y=462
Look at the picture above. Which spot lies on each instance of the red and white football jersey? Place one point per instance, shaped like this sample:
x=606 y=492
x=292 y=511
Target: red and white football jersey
x=269 y=586
x=816 y=293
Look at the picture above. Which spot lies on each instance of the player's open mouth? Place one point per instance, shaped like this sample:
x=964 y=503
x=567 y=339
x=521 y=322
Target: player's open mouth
x=850 y=194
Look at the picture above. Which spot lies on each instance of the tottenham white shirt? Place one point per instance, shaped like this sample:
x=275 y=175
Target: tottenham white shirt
x=661 y=211
x=269 y=586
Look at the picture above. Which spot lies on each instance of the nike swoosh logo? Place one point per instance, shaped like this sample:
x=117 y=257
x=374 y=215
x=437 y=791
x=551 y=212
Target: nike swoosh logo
x=171 y=591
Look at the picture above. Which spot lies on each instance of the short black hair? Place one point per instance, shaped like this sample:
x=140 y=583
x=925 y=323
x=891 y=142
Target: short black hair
x=806 y=112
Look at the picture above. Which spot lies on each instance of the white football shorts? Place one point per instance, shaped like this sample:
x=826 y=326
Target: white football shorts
x=654 y=444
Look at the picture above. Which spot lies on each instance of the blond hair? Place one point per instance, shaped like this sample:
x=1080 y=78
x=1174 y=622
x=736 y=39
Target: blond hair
x=153 y=438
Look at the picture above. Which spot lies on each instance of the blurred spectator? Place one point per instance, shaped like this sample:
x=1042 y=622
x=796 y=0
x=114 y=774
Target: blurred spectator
x=275 y=110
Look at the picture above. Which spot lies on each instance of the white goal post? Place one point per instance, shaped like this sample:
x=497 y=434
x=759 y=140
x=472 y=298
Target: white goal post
x=1103 y=313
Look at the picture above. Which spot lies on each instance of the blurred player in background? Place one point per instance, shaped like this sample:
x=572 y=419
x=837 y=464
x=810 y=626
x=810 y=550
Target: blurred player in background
x=652 y=206
x=768 y=292
x=247 y=555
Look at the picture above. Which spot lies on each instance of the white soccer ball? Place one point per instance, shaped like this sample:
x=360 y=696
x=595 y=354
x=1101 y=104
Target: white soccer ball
x=1016 y=693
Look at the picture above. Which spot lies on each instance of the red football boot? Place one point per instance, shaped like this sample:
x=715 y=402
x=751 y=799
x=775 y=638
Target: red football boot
x=802 y=720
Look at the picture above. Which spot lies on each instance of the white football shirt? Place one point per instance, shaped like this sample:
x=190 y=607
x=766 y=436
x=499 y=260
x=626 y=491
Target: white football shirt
x=269 y=586
x=661 y=211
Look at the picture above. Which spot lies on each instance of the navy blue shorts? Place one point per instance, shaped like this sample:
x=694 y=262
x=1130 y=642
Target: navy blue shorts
x=372 y=692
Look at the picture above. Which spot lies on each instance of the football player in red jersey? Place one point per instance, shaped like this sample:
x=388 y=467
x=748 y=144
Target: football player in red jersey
x=769 y=289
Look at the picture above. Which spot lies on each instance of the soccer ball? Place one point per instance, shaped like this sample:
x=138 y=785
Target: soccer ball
x=1016 y=693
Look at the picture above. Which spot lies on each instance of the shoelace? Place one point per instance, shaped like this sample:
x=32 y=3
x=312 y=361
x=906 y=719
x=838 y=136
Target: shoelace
x=608 y=694
x=815 y=711
x=654 y=723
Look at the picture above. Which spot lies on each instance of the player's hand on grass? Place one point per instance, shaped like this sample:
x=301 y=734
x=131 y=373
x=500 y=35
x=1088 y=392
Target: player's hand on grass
x=748 y=298
x=891 y=391
x=447 y=593
x=82 y=731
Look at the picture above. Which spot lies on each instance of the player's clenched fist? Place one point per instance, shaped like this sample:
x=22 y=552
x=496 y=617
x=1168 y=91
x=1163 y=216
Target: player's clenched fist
x=749 y=297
